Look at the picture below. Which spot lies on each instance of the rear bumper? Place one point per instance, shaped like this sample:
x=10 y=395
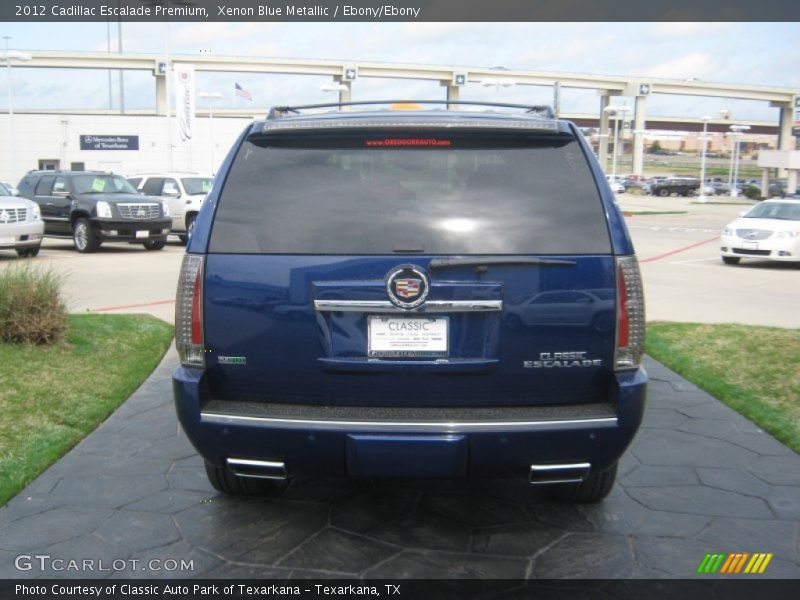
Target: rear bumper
x=503 y=444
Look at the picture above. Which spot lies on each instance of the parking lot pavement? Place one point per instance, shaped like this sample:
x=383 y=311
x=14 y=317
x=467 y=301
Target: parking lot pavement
x=698 y=478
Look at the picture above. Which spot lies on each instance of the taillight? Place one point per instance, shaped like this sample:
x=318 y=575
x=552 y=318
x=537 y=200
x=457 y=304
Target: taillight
x=189 y=313
x=630 y=315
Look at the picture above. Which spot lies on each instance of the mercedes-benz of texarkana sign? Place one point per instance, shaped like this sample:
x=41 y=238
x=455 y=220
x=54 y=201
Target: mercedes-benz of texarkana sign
x=406 y=292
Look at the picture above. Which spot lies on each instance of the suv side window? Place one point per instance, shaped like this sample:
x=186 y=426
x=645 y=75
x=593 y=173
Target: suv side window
x=153 y=185
x=25 y=186
x=45 y=185
x=170 y=185
x=135 y=181
x=60 y=185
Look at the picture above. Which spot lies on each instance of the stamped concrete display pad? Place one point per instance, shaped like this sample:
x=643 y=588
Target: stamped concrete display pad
x=698 y=478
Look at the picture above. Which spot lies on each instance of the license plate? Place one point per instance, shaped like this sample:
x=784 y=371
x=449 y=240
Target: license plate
x=142 y=234
x=407 y=337
x=750 y=245
x=7 y=240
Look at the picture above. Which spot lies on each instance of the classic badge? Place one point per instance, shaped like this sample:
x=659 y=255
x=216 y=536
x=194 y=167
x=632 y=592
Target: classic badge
x=407 y=286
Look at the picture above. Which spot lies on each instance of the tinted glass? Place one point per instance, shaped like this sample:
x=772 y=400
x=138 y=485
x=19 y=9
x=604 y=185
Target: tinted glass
x=433 y=193
x=134 y=181
x=170 y=186
x=60 y=185
x=196 y=185
x=4 y=191
x=101 y=184
x=775 y=210
x=153 y=185
x=45 y=185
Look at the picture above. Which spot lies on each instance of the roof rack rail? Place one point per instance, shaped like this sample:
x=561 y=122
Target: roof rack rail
x=542 y=110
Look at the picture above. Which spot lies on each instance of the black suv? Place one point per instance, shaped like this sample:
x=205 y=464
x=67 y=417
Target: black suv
x=93 y=207
x=683 y=186
x=423 y=293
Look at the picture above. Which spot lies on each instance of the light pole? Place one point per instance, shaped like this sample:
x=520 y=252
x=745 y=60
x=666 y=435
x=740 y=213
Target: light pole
x=8 y=56
x=211 y=96
x=616 y=110
x=736 y=132
x=702 y=197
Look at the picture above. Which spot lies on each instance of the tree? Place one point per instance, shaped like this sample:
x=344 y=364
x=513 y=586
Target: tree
x=655 y=147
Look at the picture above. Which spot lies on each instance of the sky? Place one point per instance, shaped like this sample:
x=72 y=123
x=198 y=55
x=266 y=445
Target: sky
x=753 y=53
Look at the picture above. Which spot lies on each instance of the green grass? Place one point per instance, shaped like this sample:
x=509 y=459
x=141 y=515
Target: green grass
x=754 y=370
x=51 y=397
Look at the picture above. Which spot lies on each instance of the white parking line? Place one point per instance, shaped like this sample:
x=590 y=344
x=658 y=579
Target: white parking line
x=674 y=229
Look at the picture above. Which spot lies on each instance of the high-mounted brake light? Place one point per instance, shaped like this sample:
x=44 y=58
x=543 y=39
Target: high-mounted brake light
x=630 y=315
x=189 y=313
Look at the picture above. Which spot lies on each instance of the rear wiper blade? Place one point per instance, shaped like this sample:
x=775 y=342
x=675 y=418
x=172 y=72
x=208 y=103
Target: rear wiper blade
x=485 y=261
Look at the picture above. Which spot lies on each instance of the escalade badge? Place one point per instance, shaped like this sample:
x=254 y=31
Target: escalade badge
x=407 y=286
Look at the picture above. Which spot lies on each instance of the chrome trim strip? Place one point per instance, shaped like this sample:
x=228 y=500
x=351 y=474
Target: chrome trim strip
x=408 y=426
x=431 y=306
x=278 y=467
x=575 y=473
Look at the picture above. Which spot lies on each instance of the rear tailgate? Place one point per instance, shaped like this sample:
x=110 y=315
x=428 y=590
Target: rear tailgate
x=505 y=232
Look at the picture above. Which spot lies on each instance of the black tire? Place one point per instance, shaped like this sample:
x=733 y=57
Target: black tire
x=190 y=225
x=83 y=237
x=663 y=192
x=223 y=480
x=34 y=251
x=593 y=489
x=731 y=260
x=26 y=252
x=154 y=244
x=183 y=238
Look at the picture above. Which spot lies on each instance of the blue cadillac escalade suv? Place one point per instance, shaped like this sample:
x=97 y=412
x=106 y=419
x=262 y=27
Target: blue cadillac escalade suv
x=410 y=293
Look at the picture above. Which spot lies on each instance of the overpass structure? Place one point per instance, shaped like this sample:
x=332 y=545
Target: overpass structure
x=453 y=78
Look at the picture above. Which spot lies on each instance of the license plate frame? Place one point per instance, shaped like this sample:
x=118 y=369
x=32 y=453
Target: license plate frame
x=7 y=240
x=142 y=234
x=750 y=245
x=385 y=342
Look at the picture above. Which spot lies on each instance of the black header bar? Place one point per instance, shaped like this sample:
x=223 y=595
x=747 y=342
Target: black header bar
x=398 y=10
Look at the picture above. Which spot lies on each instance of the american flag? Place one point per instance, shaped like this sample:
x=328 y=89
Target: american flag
x=240 y=91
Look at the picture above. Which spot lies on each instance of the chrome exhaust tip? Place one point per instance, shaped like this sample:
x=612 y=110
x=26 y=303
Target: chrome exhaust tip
x=559 y=473
x=257 y=469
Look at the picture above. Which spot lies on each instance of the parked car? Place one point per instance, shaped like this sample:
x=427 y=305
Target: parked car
x=682 y=186
x=21 y=225
x=616 y=187
x=183 y=192
x=396 y=358
x=93 y=207
x=770 y=230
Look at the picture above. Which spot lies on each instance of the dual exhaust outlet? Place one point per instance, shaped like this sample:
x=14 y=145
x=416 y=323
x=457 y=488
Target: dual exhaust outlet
x=559 y=473
x=538 y=475
x=257 y=469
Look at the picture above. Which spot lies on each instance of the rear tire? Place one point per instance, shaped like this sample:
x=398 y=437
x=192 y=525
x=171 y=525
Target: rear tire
x=27 y=252
x=225 y=481
x=592 y=489
x=731 y=260
x=154 y=245
x=183 y=238
x=83 y=237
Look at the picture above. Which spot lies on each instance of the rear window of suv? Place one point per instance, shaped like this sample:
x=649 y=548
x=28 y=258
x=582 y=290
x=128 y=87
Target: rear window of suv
x=427 y=192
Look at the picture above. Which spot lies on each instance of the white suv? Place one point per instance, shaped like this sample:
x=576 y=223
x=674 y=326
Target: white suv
x=183 y=192
x=21 y=225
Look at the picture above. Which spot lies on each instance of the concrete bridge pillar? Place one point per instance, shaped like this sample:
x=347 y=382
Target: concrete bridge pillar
x=602 y=147
x=638 y=135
